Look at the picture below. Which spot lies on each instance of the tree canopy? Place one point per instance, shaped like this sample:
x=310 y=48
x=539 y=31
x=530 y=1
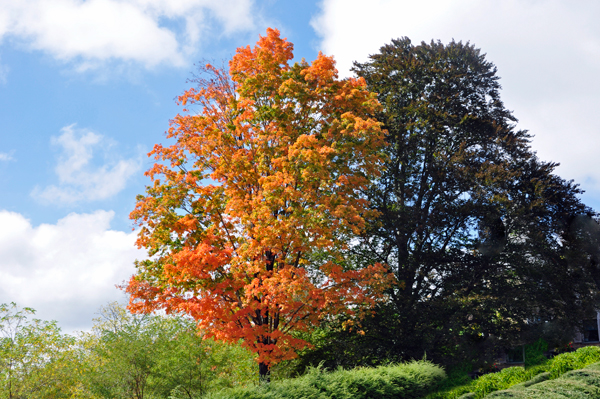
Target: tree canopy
x=472 y=224
x=36 y=358
x=267 y=175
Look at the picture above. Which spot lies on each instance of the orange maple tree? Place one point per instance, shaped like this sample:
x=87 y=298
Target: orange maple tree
x=266 y=175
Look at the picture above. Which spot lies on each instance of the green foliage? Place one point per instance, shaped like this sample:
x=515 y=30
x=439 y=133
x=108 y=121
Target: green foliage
x=557 y=333
x=458 y=382
x=480 y=234
x=502 y=380
x=574 y=360
x=36 y=359
x=159 y=356
x=586 y=375
x=121 y=352
x=195 y=365
x=535 y=380
x=534 y=353
x=124 y=357
x=410 y=380
x=583 y=383
x=593 y=366
x=520 y=379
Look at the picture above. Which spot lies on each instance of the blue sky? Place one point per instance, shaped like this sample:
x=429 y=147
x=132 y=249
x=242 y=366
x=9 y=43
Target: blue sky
x=88 y=87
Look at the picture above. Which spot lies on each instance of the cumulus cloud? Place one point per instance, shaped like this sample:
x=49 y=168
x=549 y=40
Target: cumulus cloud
x=547 y=54
x=79 y=179
x=143 y=31
x=67 y=270
x=4 y=156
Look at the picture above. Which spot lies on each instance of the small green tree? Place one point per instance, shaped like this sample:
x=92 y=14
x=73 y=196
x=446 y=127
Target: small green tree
x=143 y=356
x=36 y=359
x=191 y=365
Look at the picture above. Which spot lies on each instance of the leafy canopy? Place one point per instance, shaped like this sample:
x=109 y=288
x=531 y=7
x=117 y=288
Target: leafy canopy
x=477 y=230
x=36 y=359
x=267 y=174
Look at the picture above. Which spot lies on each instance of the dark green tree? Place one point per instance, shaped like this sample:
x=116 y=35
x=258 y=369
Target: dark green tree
x=473 y=224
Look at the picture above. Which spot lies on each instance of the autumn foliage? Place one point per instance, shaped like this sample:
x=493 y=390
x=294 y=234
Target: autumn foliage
x=246 y=217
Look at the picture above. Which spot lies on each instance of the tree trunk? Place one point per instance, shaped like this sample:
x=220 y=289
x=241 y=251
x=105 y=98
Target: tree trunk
x=264 y=373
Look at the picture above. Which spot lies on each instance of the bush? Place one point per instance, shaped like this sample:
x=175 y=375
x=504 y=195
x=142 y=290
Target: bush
x=593 y=366
x=574 y=360
x=502 y=380
x=519 y=378
x=535 y=380
x=574 y=384
x=534 y=353
x=409 y=380
x=568 y=388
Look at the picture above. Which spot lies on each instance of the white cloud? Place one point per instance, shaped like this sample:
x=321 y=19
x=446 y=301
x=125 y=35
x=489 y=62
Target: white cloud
x=78 y=179
x=547 y=54
x=93 y=31
x=5 y=156
x=67 y=270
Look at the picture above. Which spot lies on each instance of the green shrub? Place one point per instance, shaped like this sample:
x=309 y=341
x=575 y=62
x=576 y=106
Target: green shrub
x=582 y=383
x=517 y=394
x=593 y=366
x=510 y=393
x=535 y=380
x=518 y=379
x=574 y=360
x=502 y=380
x=409 y=380
x=559 y=388
x=534 y=353
x=588 y=376
x=457 y=379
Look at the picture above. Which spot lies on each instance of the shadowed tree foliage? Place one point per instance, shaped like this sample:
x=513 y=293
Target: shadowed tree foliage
x=473 y=225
